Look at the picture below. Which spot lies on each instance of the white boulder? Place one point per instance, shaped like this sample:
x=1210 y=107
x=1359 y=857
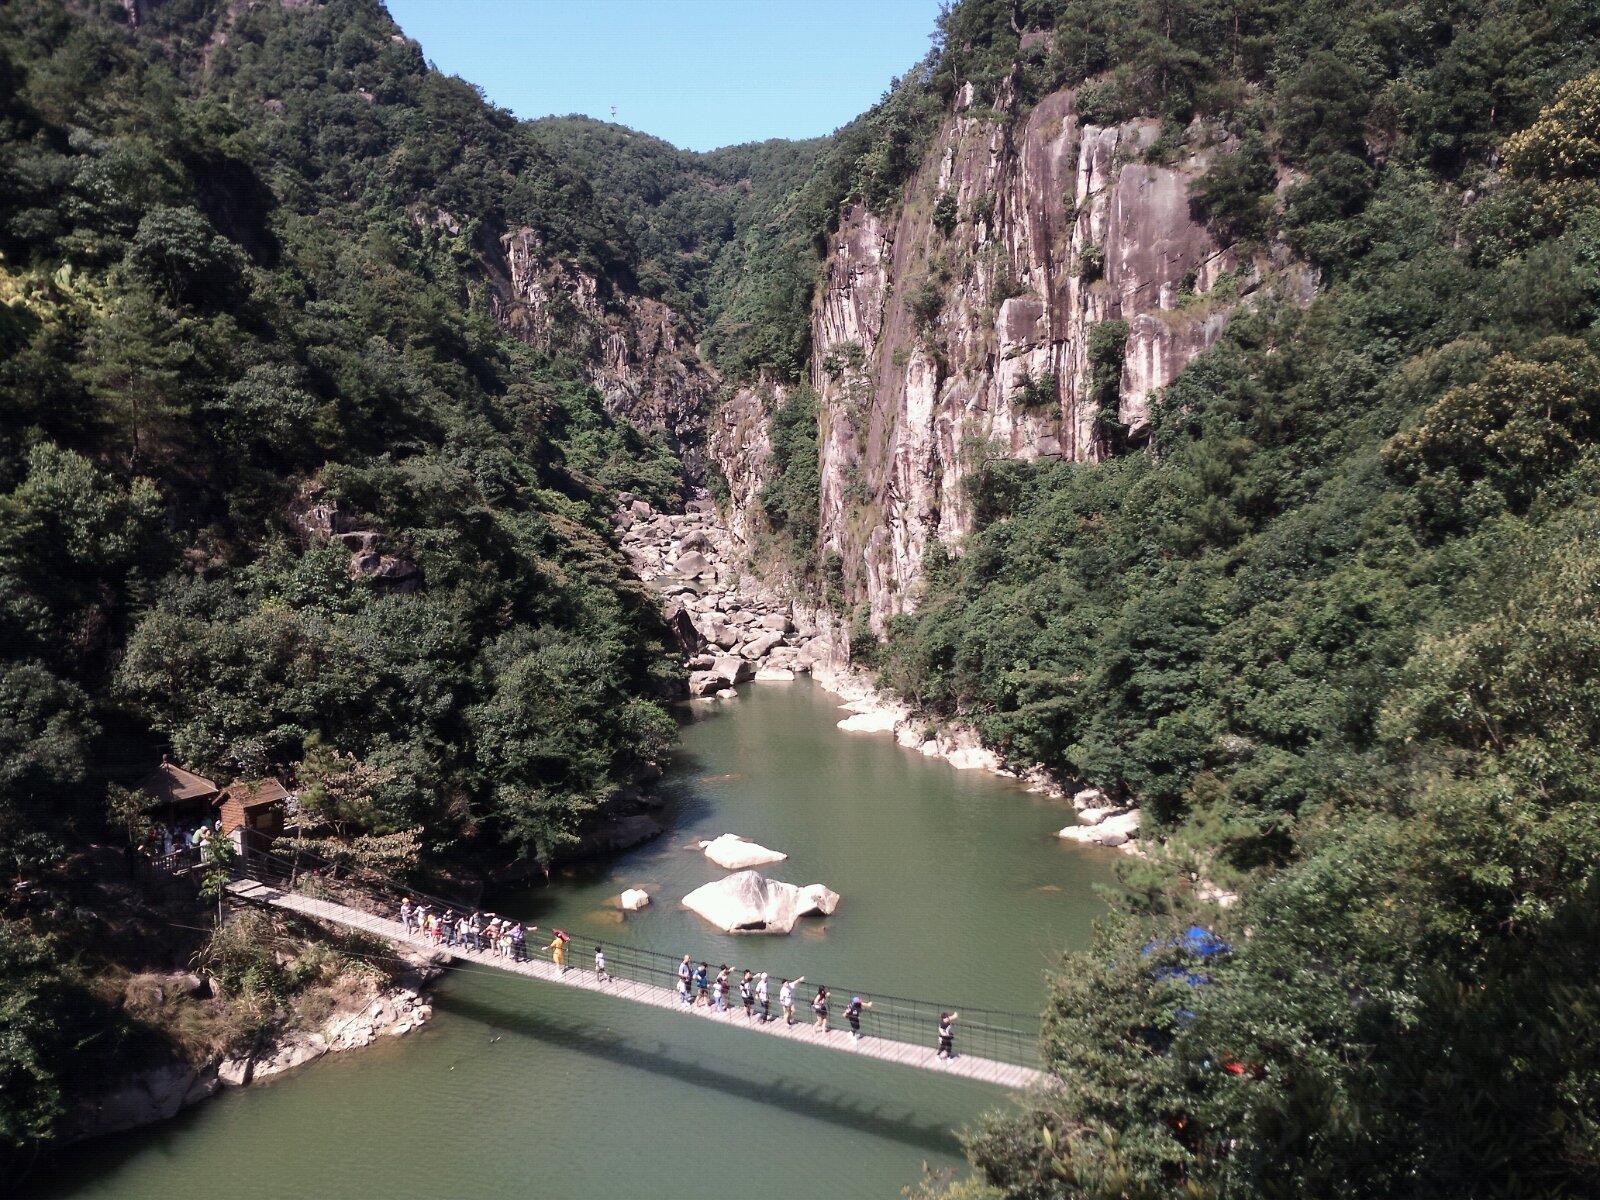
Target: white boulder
x=818 y=900
x=734 y=853
x=746 y=902
x=774 y=675
x=1111 y=831
x=634 y=899
x=881 y=721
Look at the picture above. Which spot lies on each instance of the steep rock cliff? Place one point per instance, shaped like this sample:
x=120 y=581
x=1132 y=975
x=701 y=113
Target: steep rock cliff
x=962 y=330
x=639 y=353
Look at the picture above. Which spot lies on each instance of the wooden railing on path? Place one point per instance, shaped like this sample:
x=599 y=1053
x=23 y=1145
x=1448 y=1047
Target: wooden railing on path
x=581 y=977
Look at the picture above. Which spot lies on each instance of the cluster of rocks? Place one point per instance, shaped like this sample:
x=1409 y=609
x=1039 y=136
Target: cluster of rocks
x=326 y=520
x=158 y=1093
x=390 y=1013
x=730 y=631
x=1102 y=822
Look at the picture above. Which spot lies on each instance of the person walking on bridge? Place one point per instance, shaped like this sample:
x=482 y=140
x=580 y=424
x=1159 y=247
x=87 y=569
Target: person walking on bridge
x=558 y=951
x=702 y=984
x=947 y=1034
x=405 y=914
x=820 y=1007
x=761 y=995
x=786 y=997
x=685 y=973
x=747 y=993
x=853 y=1015
x=600 y=973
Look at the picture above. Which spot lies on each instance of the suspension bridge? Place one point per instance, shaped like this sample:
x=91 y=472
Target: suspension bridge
x=894 y=1030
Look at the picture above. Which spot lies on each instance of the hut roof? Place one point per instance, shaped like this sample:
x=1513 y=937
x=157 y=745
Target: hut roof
x=254 y=793
x=170 y=783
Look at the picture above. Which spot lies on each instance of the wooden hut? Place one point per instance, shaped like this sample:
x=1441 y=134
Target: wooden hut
x=255 y=809
x=178 y=796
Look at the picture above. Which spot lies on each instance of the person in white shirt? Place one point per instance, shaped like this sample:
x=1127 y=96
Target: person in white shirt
x=786 y=997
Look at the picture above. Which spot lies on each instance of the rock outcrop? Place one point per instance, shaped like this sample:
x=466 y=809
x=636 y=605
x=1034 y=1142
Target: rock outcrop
x=1072 y=284
x=633 y=899
x=747 y=902
x=734 y=853
x=639 y=353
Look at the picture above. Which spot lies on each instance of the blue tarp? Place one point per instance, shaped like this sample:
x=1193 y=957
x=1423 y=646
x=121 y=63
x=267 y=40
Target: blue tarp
x=1195 y=940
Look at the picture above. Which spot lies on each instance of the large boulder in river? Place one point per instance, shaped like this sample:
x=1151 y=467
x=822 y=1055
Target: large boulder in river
x=705 y=683
x=746 y=902
x=734 y=853
x=634 y=899
x=733 y=669
x=818 y=900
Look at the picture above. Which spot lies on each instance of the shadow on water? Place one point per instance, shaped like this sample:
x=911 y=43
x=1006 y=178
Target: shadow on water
x=822 y=1103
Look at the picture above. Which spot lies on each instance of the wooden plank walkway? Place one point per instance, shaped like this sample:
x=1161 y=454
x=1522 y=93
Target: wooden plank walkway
x=906 y=1054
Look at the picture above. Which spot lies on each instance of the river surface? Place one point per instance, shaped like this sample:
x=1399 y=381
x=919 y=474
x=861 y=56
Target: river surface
x=954 y=889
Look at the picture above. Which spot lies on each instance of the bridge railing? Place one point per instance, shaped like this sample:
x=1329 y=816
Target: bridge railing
x=996 y=1034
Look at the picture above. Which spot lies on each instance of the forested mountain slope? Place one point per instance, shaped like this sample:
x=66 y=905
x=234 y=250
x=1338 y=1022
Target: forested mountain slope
x=1330 y=618
x=277 y=494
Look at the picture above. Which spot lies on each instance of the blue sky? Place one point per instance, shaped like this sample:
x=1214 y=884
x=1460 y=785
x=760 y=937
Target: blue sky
x=698 y=73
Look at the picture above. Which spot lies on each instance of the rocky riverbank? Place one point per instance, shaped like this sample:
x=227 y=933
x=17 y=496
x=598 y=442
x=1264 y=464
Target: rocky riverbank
x=363 y=1010
x=734 y=629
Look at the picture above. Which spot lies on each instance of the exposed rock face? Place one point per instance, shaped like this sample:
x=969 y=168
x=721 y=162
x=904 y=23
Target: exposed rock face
x=633 y=899
x=638 y=352
x=734 y=853
x=934 y=349
x=324 y=520
x=750 y=903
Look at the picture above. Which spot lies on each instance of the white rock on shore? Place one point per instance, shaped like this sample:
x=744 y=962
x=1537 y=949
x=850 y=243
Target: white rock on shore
x=1111 y=831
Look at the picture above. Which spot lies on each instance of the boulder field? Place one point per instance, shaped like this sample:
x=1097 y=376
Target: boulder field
x=729 y=630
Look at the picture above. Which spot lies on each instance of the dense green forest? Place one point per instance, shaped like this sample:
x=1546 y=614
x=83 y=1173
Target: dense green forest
x=223 y=306
x=1336 y=631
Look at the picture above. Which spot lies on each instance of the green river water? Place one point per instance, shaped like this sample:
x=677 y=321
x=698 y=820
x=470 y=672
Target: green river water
x=954 y=889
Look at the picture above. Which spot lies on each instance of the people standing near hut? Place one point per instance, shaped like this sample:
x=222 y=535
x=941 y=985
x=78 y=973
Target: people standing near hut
x=405 y=914
x=786 y=997
x=600 y=974
x=947 y=1034
x=852 y=1013
x=761 y=995
x=747 y=993
x=819 y=1006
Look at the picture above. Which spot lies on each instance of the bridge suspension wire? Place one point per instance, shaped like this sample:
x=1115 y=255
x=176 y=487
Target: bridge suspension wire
x=638 y=973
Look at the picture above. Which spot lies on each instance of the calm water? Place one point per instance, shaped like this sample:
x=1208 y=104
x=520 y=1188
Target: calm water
x=954 y=889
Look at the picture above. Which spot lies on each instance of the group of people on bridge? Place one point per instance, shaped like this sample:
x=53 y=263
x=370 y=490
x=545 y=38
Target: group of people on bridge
x=507 y=938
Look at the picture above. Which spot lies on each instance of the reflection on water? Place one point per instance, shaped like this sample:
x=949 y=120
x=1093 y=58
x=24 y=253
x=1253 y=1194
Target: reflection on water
x=954 y=888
